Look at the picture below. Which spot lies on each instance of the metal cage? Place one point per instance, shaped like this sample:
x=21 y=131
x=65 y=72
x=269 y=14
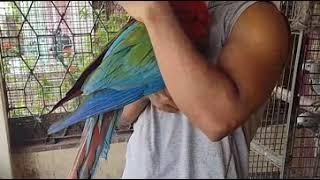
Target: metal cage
x=44 y=46
x=302 y=158
x=287 y=142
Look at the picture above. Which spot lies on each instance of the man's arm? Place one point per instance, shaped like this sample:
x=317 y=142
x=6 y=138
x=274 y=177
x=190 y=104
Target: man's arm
x=218 y=98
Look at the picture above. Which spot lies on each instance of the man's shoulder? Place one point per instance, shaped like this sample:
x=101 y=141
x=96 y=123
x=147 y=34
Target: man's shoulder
x=262 y=23
x=263 y=14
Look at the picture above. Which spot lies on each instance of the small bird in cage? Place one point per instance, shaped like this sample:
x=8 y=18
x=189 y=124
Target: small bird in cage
x=310 y=124
x=125 y=72
x=313 y=68
x=309 y=120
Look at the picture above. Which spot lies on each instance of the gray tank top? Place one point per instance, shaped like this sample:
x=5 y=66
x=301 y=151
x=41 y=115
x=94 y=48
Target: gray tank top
x=165 y=145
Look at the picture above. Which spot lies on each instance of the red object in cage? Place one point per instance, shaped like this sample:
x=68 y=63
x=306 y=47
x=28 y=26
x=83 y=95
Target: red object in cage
x=73 y=68
x=8 y=45
x=67 y=50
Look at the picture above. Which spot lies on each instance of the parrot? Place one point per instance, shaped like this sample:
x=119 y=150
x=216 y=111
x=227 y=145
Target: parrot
x=308 y=119
x=310 y=122
x=311 y=82
x=124 y=72
x=313 y=67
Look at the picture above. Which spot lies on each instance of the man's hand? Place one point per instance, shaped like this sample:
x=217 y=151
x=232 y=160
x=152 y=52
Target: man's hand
x=163 y=101
x=143 y=10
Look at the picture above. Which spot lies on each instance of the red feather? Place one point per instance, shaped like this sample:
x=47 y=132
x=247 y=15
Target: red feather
x=98 y=137
x=194 y=19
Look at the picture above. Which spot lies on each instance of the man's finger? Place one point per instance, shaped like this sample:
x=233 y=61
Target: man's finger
x=168 y=108
x=172 y=104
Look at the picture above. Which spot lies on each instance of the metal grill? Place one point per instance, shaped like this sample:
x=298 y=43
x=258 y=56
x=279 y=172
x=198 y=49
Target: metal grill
x=303 y=140
x=269 y=147
x=45 y=45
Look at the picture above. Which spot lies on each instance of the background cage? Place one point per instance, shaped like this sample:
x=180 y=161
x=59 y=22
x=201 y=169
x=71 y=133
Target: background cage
x=286 y=144
x=45 y=45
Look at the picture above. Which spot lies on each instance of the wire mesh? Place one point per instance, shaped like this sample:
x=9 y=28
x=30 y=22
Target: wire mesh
x=45 y=45
x=268 y=148
x=296 y=12
x=303 y=147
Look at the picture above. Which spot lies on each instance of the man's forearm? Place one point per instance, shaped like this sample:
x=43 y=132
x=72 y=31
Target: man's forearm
x=201 y=90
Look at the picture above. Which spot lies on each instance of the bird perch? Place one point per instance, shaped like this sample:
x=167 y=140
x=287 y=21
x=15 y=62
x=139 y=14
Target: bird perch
x=306 y=103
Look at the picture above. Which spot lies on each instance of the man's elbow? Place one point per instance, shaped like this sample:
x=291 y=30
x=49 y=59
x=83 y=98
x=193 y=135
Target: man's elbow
x=219 y=119
x=218 y=127
x=216 y=137
x=220 y=131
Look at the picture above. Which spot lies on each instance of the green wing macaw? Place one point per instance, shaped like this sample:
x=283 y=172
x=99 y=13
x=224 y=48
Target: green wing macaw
x=124 y=72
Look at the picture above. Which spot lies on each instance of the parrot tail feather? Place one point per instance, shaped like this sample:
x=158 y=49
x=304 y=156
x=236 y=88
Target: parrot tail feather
x=95 y=143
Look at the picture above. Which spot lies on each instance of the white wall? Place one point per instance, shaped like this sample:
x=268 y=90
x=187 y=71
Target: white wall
x=5 y=157
x=277 y=3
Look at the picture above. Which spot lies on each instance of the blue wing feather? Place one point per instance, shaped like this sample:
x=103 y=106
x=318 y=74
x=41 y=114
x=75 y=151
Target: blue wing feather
x=130 y=63
x=105 y=101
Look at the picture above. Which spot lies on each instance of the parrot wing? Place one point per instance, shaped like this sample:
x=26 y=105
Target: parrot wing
x=128 y=72
x=104 y=101
x=75 y=91
x=130 y=62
